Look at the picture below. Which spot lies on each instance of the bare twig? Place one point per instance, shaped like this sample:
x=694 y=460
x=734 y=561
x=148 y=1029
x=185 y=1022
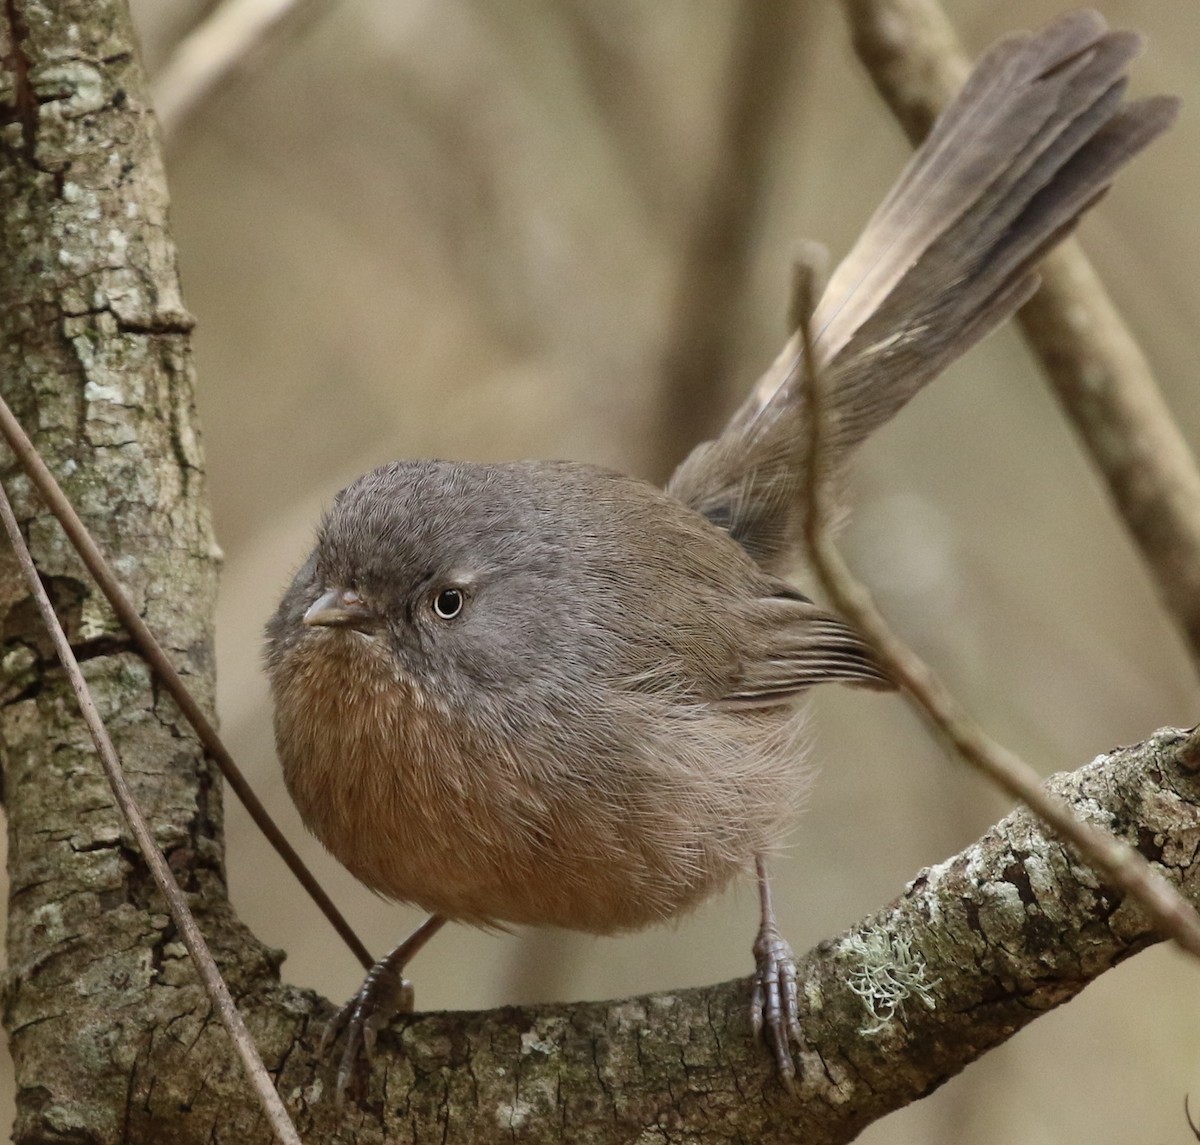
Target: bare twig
x=1093 y=362
x=227 y=39
x=1187 y=1113
x=768 y=37
x=1119 y=863
x=210 y=976
x=77 y=533
x=810 y=270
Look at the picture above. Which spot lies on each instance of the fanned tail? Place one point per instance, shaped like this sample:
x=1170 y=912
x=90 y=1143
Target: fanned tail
x=1034 y=138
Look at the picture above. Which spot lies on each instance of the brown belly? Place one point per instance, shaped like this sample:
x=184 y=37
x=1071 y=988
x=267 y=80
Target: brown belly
x=500 y=839
x=513 y=858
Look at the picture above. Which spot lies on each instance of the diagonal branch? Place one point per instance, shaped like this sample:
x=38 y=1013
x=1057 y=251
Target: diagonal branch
x=193 y=939
x=101 y=571
x=1120 y=864
x=230 y=39
x=1093 y=362
x=972 y=951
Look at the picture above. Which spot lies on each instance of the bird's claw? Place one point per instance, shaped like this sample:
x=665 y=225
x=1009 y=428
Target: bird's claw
x=774 y=1007
x=385 y=992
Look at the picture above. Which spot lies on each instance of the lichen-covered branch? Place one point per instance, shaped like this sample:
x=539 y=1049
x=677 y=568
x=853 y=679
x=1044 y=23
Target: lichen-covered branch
x=975 y=949
x=1093 y=362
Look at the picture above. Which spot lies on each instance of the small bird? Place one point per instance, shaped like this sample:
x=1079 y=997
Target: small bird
x=543 y=693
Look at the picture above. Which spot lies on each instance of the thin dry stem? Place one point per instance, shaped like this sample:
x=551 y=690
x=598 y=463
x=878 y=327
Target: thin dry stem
x=233 y=33
x=768 y=40
x=206 y=968
x=89 y=552
x=1120 y=864
x=1093 y=362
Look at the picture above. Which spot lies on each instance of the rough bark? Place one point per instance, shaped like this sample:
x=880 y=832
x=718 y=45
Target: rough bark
x=971 y=952
x=112 y=1038
x=94 y=359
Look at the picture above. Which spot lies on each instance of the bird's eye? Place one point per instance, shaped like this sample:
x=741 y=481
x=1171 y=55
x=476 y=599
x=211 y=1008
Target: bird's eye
x=449 y=603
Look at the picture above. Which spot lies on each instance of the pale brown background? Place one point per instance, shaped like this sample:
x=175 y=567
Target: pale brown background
x=470 y=229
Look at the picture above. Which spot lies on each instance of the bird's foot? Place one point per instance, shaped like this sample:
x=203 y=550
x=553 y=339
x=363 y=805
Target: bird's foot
x=385 y=992
x=774 y=1009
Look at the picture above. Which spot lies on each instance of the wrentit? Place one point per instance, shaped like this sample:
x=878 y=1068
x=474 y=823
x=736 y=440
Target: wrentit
x=543 y=693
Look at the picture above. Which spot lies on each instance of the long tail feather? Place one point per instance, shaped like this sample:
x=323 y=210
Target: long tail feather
x=1034 y=138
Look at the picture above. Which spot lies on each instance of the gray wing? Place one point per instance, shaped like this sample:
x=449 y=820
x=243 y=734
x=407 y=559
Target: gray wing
x=789 y=645
x=1034 y=138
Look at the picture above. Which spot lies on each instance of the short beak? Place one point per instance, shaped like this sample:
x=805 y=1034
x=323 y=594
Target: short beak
x=340 y=608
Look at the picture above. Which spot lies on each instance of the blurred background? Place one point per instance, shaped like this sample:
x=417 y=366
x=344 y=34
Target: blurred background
x=562 y=228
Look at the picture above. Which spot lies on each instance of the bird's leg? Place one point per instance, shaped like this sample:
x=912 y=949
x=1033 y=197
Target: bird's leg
x=774 y=1010
x=385 y=992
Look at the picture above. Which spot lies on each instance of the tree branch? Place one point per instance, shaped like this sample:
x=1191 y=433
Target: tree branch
x=974 y=949
x=716 y=254
x=1092 y=360
x=234 y=37
x=181 y=914
x=1121 y=865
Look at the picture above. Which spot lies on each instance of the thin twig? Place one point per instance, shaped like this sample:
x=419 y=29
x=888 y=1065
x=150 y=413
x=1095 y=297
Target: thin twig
x=210 y=976
x=768 y=39
x=232 y=34
x=1093 y=362
x=1122 y=866
x=43 y=480
x=1187 y=1113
